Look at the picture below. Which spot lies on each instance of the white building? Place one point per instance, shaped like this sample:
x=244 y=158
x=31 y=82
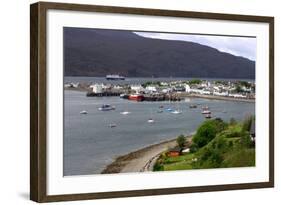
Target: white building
x=96 y=88
x=151 y=88
x=221 y=94
x=187 y=88
x=200 y=91
x=137 y=88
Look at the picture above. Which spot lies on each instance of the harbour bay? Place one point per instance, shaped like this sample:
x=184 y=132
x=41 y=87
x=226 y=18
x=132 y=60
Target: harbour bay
x=90 y=144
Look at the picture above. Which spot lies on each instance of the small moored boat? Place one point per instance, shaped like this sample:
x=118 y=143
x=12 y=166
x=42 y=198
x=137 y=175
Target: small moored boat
x=106 y=107
x=83 y=112
x=193 y=106
x=206 y=112
x=169 y=109
x=176 y=112
x=125 y=113
x=150 y=120
x=208 y=116
x=112 y=125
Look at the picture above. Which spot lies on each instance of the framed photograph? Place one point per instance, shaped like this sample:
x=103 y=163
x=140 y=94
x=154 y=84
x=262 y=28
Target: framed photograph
x=136 y=102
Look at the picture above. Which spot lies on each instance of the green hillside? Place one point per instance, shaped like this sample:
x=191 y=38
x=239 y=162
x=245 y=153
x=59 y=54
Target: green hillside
x=216 y=144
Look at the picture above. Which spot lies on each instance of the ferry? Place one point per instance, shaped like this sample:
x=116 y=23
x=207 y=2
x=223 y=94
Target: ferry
x=114 y=77
x=136 y=97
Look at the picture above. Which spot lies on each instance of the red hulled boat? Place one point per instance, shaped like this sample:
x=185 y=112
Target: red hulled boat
x=136 y=97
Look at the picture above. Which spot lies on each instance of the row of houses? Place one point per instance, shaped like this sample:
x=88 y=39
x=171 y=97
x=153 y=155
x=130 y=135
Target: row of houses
x=205 y=88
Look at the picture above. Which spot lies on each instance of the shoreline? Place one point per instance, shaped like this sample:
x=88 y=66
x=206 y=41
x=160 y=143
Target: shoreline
x=139 y=160
x=209 y=97
x=213 y=97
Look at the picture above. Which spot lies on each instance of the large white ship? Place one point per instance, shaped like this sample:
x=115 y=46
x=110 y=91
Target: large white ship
x=114 y=77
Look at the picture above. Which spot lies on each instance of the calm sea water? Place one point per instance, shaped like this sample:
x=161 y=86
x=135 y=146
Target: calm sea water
x=90 y=144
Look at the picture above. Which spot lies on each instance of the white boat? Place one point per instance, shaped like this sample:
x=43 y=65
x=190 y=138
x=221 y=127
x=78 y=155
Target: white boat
x=208 y=116
x=176 y=112
x=125 y=113
x=106 y=107
x=84 y=112
x=150 y=120
x=206 y=112
x=169 y=109
x=112 y=125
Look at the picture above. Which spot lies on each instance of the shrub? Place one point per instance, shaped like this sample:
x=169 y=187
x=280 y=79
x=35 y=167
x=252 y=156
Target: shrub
x=181 y=141
x=158 y=167
x=247 y=123
x=232 y=121
x=193 y=148
x=245 y=140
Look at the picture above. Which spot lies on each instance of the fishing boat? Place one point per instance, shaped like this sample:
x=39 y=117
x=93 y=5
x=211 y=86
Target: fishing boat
x=106 y=107
x=83 y=112
x=125 y=113
x=136 y=97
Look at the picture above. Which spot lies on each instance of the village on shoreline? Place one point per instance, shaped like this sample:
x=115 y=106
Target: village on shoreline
x=238 y=90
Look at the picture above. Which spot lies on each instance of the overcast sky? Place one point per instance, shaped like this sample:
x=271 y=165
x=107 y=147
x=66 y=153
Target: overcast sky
x=239 y=46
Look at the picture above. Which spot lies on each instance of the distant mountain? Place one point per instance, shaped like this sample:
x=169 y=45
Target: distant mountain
x=94 y=52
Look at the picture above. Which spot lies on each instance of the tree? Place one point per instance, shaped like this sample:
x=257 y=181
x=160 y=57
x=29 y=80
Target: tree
x=194 y=81
x=238 y=89
x=207 y=131
x=181 y=141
